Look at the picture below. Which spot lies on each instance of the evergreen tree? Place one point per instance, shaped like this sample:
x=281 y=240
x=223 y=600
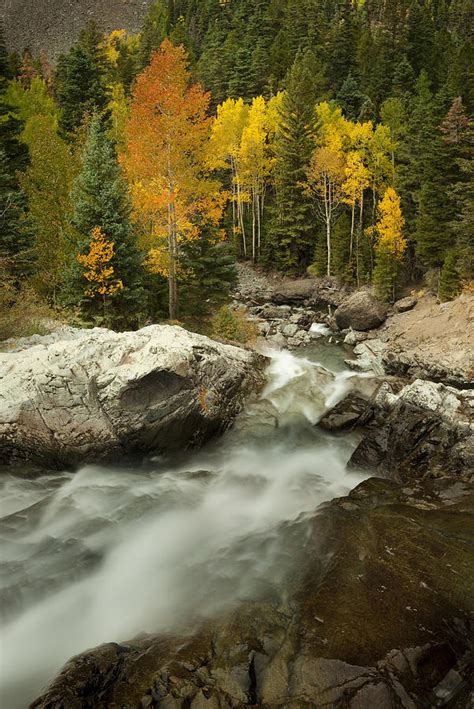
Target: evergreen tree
x=419 y=37
x=80 y=80
x=462 y=193
x=242 y=81
x=342 y=45
x=208 y=268
x=15 y=152
x=350 y=98
x=416 y=156
x=291 y=241
x=100 y=199
x=436 y=205
x=15 y=238
x=449 y=281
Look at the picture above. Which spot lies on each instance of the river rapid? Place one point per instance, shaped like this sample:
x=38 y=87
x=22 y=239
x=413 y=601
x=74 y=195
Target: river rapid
x=105 y=553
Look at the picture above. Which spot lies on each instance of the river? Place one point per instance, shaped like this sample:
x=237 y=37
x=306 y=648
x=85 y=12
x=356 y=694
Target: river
x=104 y=553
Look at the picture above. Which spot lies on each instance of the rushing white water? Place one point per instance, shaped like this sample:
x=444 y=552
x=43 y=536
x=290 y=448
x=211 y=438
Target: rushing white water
x=105 y=553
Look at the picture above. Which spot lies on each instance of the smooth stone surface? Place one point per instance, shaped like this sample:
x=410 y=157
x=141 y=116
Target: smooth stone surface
x=360 y=311
x=95 y=394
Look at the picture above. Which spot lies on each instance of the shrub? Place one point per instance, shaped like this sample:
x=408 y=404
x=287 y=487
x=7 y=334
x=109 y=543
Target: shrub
x=22 y=312
x=233 y=325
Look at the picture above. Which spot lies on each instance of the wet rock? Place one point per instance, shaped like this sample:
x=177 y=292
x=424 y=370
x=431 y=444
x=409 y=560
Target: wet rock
x=347 y=413
x=423 y=429
x=366 y=620
x=405 y=304
x=353 y=337
x=96 y=394
x=360 y=311
x=277 y=341
x=368 y=357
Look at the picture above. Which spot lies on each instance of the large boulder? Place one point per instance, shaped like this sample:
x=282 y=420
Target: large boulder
x=360 y=311
x=373 y=614
x=423 y=429
x=83 y=395
x=293 y=292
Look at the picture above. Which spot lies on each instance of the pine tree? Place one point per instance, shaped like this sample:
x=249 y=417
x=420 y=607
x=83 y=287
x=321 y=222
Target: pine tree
x=291 y=239
x=242 y=79
x=419 y=38
x=15 y=238
x=208 y=268
x=100 y=199
x=342 y=44
x=350 y=98
x=459 y=133
x=16 y=152
x=416 y=155
x=80 y=79
x=436 y=206
x=449 y=281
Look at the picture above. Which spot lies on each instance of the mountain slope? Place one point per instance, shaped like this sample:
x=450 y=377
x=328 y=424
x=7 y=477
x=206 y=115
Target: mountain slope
x=55 y=24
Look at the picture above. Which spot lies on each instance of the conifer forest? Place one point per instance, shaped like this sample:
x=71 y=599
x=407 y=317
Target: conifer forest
x=333 y=138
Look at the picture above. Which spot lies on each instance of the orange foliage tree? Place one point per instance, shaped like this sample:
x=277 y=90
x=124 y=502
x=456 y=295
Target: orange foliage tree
x=98 y=271
x=165 y=158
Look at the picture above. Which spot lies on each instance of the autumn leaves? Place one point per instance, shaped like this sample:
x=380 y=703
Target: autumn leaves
x=171 y=150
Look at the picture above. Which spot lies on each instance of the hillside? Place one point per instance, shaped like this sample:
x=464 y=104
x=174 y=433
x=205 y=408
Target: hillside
x=54 y=25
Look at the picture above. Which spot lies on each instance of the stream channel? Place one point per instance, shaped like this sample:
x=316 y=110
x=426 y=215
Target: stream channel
x=105 y=553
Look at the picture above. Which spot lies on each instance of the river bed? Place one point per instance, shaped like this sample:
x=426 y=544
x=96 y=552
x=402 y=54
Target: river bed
x=104 y=553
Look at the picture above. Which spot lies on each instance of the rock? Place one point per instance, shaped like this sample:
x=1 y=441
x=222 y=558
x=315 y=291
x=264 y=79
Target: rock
x=95 y=394
x=353 y=337
x=289 y=330
x=252 y=285
x=405 y=304
x=293 y=292
x=360 y=311
x=264 y=327
x=424 y=429
x=368 y=357
x=346 y=413
x=432 y=341
x=374 y=613
x=277 y=341
x=274 y=312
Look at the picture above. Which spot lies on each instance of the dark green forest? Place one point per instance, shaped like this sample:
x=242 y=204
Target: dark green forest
x=326 y=137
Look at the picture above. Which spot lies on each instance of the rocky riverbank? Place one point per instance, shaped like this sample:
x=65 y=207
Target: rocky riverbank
x=377 y=616
x=416 y=338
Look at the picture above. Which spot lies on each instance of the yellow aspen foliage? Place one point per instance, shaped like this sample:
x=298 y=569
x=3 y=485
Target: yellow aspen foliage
x=257 y=162
x=333 y=131
x=390 y=245
x=111 y=43
x=356 y=178
x=325 y=175
x=119 y=115
x=98 y=271
x=390 y=225
x=223 y=151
